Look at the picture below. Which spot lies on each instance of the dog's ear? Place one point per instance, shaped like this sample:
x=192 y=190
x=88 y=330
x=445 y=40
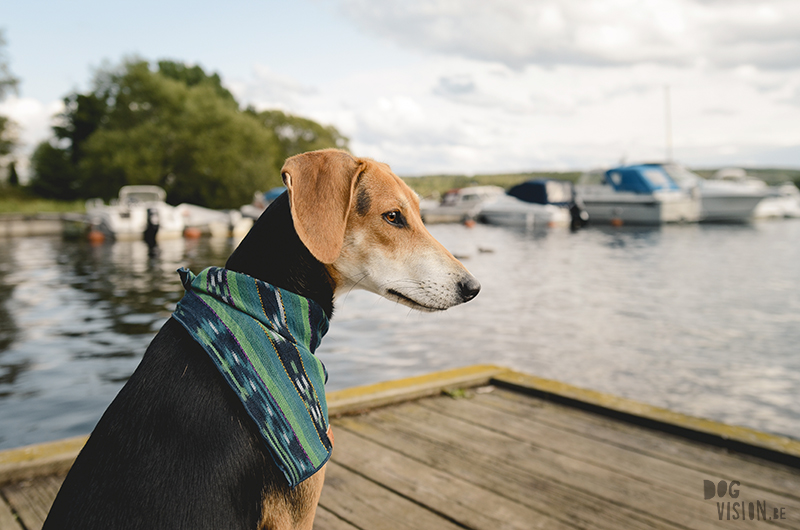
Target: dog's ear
x=321 y=185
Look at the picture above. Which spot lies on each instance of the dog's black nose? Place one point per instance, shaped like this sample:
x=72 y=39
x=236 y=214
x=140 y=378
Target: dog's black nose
x=470 y=287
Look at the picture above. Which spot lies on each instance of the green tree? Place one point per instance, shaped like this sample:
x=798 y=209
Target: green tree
x=54 y=174
x=13 y=178
x=194 y=76
x=190 y=139
x=83 y=114
x=176 y=127
x=8 y=137
x=8 y=83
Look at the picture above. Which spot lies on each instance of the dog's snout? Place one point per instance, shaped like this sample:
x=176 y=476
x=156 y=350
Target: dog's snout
x=470 y=287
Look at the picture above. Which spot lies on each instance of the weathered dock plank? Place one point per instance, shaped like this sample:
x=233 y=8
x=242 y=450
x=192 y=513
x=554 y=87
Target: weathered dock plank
x=31 y=499
x=552 y=500
x=671 y=448
x=326 y=520
x=7 y=519
x=529 y=475
x=369 y=505
x=742 y=439
x=460 y=500
x=502 y=456
x=664 y=476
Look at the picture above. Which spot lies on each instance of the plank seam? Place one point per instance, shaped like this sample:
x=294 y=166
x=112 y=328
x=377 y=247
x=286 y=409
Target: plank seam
x=13 y=510
x=333 y=513
x=554 y=516
x=717 y=439
x=691 y=464
x=643 y=515
x=406 y=497
x=661 y=485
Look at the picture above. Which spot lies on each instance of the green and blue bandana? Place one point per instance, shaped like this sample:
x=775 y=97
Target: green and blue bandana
x=262 y=339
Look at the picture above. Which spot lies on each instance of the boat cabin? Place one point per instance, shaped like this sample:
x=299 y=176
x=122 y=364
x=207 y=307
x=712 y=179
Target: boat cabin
x=643 y=178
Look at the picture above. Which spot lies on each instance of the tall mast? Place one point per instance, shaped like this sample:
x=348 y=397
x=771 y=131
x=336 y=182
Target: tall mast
x=668 y=123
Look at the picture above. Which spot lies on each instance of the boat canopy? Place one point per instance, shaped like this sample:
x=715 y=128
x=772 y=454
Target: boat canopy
x=544 y=191
x=643 y=178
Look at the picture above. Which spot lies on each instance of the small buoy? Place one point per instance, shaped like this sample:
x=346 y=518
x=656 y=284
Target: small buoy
x=616 y=221
x=191 y=232
x=469 y=223
x=96 y=237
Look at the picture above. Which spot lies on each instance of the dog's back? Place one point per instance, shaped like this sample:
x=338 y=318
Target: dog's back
x=174 y=450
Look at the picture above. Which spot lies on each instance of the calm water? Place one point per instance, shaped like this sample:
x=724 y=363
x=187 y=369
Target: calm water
x=700 y=319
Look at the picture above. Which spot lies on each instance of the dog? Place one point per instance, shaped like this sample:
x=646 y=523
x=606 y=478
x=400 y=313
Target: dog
x=175 y=449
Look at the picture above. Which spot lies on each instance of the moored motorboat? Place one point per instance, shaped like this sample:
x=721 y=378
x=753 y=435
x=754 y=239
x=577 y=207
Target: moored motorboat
x=536 y=203
x=781 y=201
x=217 y=223
x=727 y=197
x=637 y=194
x=140 y=212
x=458 y=205
x=777 y=202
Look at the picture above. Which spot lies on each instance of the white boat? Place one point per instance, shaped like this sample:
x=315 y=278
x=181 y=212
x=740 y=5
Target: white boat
x=536 y=203
x=781 y=201
x=639 y=194
x=136 y=209
x=510 y=211
x=217 y=223
x=458 y=205
x=778 y=201
x=727 y=197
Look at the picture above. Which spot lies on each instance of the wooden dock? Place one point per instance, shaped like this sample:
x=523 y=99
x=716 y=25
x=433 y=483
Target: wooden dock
x=486 y=448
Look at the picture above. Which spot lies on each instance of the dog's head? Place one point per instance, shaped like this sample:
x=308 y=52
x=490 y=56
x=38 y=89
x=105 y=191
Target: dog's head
x=362 y=221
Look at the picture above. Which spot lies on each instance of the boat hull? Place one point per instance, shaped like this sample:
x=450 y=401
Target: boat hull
x=641 y=209
x=729 y=208
x=543 y=216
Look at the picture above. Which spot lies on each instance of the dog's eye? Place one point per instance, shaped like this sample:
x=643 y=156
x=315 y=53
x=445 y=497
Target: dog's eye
x=394 y=218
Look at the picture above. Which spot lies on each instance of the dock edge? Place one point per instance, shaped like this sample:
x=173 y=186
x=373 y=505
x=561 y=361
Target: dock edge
x=745 y=440
x=57 y=457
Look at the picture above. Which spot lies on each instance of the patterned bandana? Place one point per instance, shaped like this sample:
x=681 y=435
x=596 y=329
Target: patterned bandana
x=262 y=339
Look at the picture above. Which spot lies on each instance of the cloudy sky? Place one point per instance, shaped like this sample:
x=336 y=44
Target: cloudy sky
x=456 y=86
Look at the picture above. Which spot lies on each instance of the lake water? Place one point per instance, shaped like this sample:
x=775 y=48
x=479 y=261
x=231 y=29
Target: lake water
x=702 y=319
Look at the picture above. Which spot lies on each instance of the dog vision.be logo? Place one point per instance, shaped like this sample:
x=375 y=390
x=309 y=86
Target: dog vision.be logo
x=739 y=509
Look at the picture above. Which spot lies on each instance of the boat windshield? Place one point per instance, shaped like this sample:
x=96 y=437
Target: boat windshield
x=128 y=194
x=596 y=177
x=657 y=179
x=142 y=197
x=559 y=192
x=682 y=175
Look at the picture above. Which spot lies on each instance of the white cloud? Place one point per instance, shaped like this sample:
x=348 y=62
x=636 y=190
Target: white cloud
x=453 y=115
x=33 y=121
x=269 y=89
x=596 y=32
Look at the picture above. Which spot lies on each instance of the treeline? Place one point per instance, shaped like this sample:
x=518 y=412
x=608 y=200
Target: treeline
x=174 y=126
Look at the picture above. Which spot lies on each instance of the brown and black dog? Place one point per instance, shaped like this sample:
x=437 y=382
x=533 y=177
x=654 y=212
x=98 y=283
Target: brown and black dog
x=176 y=449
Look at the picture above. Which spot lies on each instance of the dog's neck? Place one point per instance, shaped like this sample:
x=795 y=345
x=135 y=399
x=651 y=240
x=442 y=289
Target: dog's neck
x=273 y=252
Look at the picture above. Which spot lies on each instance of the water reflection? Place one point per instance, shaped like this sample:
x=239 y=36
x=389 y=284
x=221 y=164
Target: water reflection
x=700 y=319
x=75 y=320
x=9 y=370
